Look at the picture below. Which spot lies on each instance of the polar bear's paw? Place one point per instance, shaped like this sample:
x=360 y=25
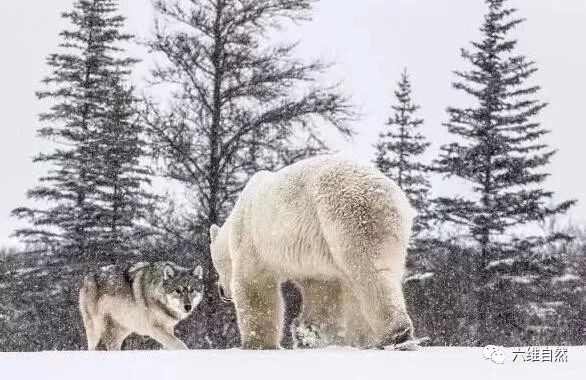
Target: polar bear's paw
x=306 y=335
x=413 y=344
x=401 y=332
x=403 y=335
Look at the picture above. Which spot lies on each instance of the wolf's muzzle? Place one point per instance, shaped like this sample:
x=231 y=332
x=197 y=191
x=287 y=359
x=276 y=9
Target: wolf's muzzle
x=187 y=308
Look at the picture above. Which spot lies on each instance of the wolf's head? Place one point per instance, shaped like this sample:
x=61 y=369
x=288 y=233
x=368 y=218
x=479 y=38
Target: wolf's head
x=181 y=288
x=222 y=260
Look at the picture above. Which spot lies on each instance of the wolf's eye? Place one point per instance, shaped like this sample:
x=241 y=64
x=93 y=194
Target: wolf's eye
x=178 y=291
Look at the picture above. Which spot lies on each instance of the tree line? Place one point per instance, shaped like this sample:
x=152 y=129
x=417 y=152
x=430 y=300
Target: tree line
x=239 y=103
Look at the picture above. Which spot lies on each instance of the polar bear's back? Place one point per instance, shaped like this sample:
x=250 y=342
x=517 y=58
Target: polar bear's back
x=300 y=214
x=359 y=199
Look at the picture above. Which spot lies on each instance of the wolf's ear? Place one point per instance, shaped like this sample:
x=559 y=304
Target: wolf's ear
x=214 y=230
x=198 y=271
x=168 y=272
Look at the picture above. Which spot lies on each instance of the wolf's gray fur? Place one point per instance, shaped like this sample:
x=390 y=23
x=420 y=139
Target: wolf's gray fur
x=147 y=299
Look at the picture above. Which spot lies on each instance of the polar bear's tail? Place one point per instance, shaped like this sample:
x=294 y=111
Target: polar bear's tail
x=361 y=199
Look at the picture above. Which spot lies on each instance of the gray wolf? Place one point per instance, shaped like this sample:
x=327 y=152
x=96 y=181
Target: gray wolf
x=147 y=299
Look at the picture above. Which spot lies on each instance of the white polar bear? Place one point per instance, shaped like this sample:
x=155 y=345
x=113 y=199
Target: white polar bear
x=339 y=229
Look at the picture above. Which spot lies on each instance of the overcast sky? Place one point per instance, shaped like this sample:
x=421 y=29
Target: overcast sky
x=371 y=42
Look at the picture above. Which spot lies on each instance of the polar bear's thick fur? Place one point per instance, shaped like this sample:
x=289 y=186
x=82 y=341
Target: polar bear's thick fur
x=336 y=227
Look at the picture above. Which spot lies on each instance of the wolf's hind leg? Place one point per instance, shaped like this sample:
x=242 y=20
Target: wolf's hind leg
x=94 y=330
x=92 y=322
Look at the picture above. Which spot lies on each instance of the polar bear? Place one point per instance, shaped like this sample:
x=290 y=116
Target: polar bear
x=339 y=229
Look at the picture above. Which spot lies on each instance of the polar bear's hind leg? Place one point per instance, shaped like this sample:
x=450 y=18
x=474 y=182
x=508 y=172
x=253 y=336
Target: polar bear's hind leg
x=321 y=313
x=379 y=291
x=357 y=332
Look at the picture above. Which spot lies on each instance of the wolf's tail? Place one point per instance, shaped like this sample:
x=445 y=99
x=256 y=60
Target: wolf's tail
x=88 y=299
x=88 y=292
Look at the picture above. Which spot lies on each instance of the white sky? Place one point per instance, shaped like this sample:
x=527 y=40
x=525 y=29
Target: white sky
x=370 y=40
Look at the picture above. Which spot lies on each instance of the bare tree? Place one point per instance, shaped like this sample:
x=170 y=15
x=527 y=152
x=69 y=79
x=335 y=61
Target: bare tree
x=239 y=104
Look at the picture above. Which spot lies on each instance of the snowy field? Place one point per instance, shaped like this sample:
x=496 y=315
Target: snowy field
x=428 y=363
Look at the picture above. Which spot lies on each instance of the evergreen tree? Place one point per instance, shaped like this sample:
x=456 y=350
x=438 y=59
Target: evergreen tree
x=398 y=155
x=92 y=190
x=500 y=152
x=240 y=104
x=120 y=176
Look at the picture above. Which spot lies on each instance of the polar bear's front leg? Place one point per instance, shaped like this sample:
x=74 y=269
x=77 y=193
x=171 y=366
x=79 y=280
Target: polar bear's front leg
x=259 y=310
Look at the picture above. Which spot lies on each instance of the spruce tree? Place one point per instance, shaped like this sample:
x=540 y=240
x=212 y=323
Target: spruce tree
x=500 y=152
x=240 y=104
x=95 y=160
x=398 y=155
x=120 y=175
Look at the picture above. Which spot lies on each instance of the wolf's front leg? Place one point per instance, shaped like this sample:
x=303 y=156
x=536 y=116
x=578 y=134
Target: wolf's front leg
x=168 y=339
x=259 y=310
x=114 y=335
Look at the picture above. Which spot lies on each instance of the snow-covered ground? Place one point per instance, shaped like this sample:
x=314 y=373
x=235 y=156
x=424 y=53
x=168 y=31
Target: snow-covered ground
x=428 y=363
